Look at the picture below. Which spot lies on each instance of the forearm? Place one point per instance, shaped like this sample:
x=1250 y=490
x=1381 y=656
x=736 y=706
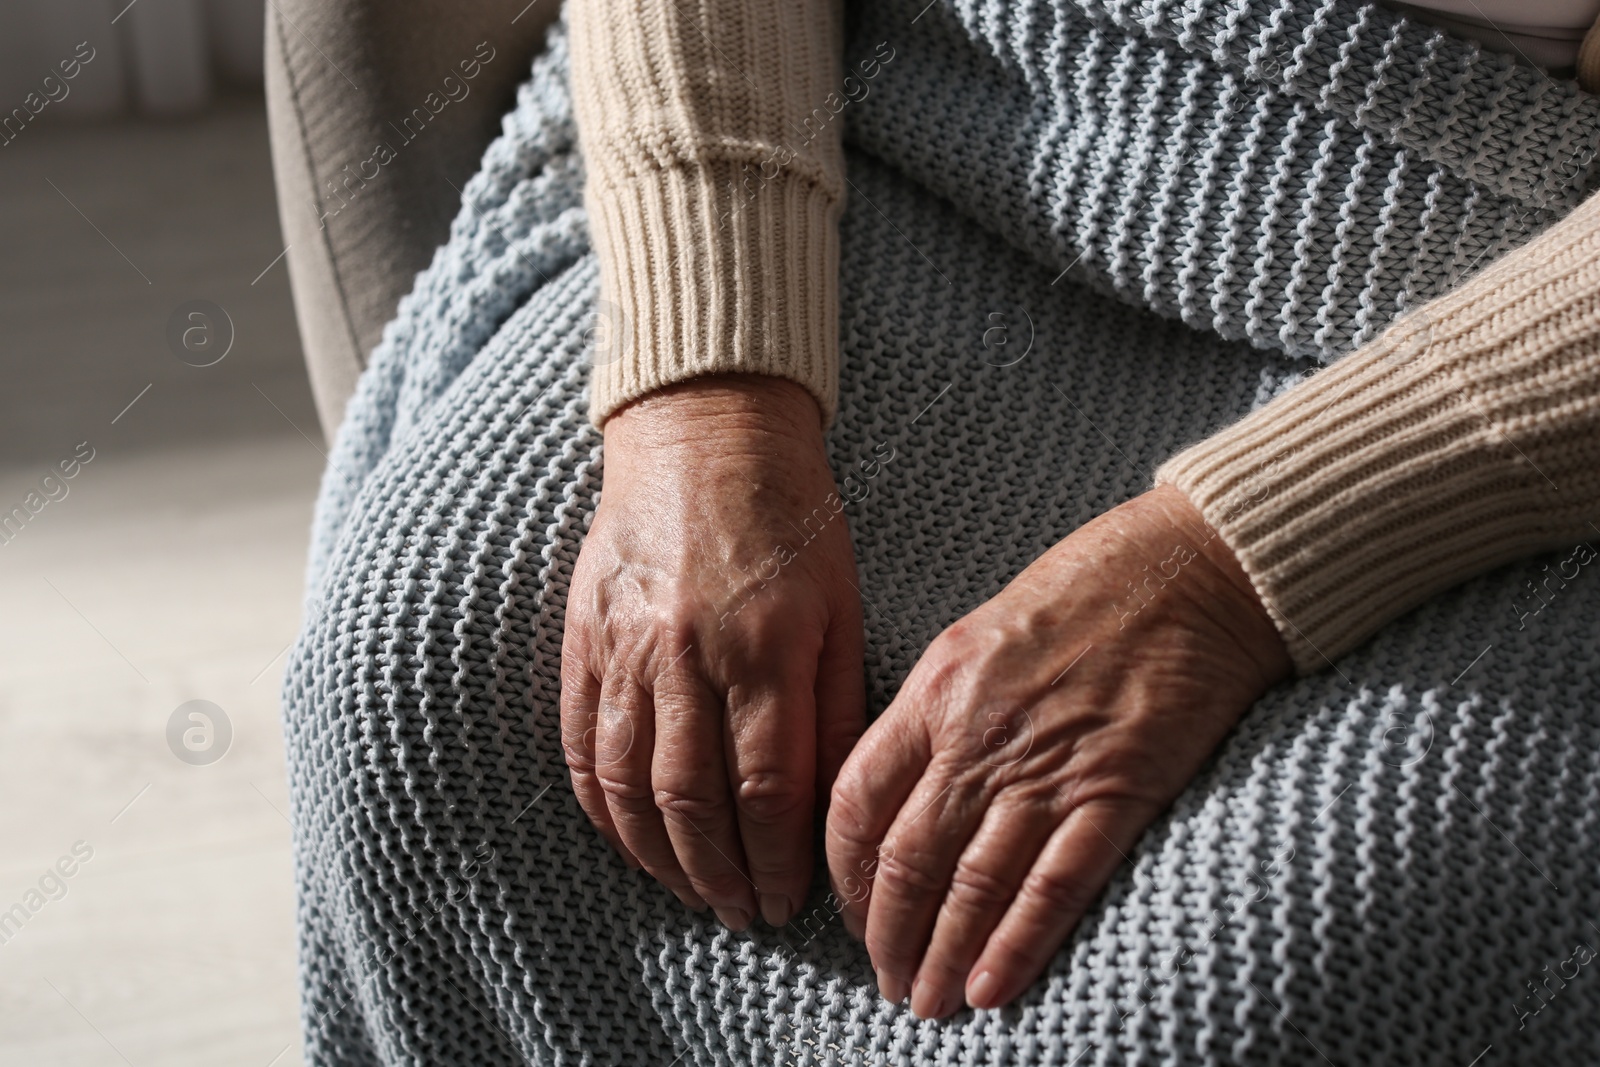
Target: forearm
x=712 y=189
x=1465 y=436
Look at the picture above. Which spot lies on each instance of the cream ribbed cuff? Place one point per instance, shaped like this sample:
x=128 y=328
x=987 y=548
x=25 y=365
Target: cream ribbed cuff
x=711 y=270
x=1465 y=436
x=711 y=140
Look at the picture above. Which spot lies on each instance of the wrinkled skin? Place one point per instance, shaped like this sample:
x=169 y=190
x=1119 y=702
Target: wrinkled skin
x=711 y=684
x=712 y=694
x=1034 y=740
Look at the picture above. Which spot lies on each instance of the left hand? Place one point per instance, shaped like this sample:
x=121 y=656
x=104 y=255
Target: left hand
x=984 y=811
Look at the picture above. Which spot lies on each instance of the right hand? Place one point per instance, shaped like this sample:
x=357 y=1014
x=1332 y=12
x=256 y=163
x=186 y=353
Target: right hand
x=711 y=670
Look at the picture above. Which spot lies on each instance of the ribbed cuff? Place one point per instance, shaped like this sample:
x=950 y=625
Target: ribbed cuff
x=713 y=269
x=1465 y=436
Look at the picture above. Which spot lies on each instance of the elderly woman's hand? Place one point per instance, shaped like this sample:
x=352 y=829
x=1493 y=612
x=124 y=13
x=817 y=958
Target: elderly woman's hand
x=711 y=670
x=1036 y=738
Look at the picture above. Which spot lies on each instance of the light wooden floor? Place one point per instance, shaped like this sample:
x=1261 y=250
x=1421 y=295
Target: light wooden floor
x=169 y=572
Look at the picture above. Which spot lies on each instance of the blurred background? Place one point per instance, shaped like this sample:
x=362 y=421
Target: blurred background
x=159 y=453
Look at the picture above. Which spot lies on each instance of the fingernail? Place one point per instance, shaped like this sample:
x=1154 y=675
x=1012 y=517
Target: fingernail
x=983 y=990
x=926 y=1001
x=735 y=919
x=892 y=989
x=775 y=908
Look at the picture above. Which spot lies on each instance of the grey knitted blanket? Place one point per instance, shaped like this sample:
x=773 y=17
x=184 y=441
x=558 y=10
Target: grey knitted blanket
x=1396 y=861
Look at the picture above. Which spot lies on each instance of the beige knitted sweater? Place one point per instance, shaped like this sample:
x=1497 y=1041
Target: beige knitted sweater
x=1465 y=436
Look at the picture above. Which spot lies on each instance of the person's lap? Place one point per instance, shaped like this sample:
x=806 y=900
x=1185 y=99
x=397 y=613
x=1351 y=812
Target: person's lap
x=1375 y=862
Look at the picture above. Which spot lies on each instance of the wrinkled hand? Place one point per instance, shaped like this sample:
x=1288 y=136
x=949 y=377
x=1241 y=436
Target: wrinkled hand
x=711 y=671
x=987 y=807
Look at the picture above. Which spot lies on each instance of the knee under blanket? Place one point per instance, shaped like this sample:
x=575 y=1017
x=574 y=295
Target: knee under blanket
x=1391 y=862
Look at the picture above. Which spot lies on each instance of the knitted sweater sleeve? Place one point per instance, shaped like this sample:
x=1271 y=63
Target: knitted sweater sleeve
x=714 y=179
x=1466 y=435
x=1463 y=437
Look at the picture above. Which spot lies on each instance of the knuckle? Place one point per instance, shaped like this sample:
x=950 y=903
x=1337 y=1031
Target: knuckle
x=975 y=889
x=847 y=818
x=945 y=667
x=969 y=639
x=953 y=662
x=579 y=759
x=696 y=809
x=770 y=796
x=678 y=610
x=907 y=875
x=1060 y=892
x=960 y=634
x=625 y=794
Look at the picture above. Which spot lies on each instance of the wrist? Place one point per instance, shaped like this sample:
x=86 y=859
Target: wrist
x=719 y=412
x=1222 y=589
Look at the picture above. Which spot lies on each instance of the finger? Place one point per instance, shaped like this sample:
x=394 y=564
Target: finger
x=690 y=778
x=580 y=703
x=913 y=877
x=872 y=786
x=771 y=750
x=1069 y=874
x=624 y=740
x=983 y=885
x=840 y=693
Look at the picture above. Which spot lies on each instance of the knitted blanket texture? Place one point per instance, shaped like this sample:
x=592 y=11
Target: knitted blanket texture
x=1080 y=235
